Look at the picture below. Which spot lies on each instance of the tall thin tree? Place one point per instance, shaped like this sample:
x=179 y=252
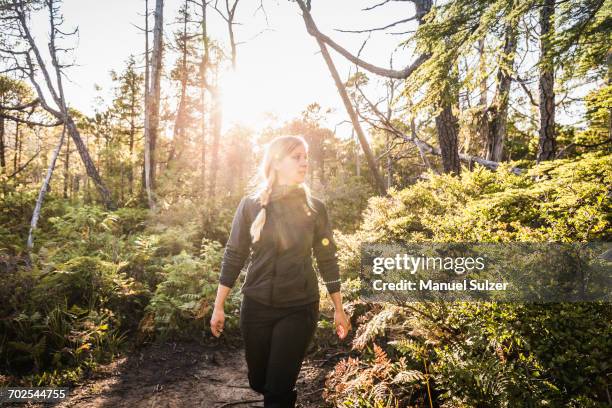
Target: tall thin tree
x=547 y=140
x=153 y=105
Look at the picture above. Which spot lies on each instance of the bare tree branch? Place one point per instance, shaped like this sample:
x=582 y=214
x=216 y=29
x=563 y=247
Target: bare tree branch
x=21 y=107
x=29 y=122
x=263 y=10
x=230 y=9
x=382 y=3
x=369 y=30
x=390 y=73
x=21 y=20
x=527 y=91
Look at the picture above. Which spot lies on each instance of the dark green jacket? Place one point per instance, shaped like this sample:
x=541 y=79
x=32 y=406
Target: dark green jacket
x=281 y=272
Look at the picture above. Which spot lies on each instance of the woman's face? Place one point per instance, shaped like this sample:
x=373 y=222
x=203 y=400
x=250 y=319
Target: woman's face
x=292 y=168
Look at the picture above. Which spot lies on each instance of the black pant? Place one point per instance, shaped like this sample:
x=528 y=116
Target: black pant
x=276 y=340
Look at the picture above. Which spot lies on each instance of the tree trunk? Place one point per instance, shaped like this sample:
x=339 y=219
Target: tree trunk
x=216 y=137
x=147 y=79
x=498 y=112
x=2 y=145
x=322 y=160
x=76 y=185
x=389 y=163
x=230 y=26
x=379 y=182
x=203 y=68
x=130 y=174
x=547 y=142
x=122 y=188
x=204 y=147
x=87 y=195
x=154 y=100
x=67 y=168
x=483 y=123
x=43 y=191
x=179 y=122
x=388 y=115
x=482 y=120
x=448 y=129
x=357 y=158
x=17 y=153
x=609 y=62
x=92 y=172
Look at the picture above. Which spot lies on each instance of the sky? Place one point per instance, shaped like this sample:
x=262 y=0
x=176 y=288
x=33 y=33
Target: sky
x=279 y=67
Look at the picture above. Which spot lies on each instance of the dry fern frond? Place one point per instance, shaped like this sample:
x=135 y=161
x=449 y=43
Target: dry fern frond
x=375 y=327
x=408 y=376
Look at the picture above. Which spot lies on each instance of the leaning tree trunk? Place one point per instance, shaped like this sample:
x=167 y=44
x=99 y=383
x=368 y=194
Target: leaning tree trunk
x=379 y=181
x=372 y=164
x=92 y=172
x=43 y=191
x=547 y=142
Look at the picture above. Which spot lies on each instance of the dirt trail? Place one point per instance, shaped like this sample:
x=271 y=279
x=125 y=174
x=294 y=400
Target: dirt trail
x=187 y=375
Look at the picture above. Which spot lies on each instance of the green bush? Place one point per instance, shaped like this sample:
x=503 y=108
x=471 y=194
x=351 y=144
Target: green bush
x=561 y=201
x=87 y=282
x=484 y=354
x=61 y=319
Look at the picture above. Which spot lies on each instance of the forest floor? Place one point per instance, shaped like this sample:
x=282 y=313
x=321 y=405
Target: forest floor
x=191 y=374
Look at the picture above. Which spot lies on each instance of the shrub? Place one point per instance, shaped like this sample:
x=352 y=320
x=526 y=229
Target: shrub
x=182 y=303
x=485 y=354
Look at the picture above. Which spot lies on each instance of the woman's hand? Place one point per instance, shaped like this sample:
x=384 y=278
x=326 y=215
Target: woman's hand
x=342 y=323
x=217 y=321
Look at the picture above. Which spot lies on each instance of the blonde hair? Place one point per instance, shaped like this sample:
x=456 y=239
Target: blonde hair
x=265 y=178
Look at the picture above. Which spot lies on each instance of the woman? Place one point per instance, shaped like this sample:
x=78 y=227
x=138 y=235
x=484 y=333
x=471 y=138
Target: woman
x=280 y=224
